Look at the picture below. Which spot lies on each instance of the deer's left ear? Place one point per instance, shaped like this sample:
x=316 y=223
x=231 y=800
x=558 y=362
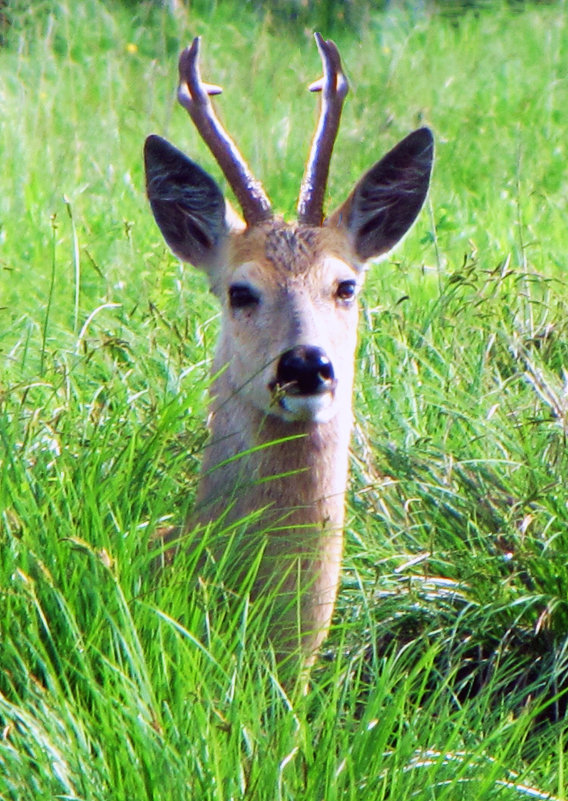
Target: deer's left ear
x=387 y=199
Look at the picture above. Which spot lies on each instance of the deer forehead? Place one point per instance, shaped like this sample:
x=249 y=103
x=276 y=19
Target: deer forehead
x=288 y=255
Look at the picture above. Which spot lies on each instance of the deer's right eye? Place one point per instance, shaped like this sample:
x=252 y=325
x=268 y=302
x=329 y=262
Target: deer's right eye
x=242 y=296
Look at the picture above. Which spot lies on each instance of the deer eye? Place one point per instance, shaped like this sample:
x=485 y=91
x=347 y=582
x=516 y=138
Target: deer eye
x=242 y=296
x=346 y=290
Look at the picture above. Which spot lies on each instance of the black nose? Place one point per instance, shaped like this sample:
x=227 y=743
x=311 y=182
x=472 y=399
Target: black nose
x=305 y=370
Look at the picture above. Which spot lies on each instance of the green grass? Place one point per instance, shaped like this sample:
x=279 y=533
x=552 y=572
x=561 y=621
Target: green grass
x=445 y=674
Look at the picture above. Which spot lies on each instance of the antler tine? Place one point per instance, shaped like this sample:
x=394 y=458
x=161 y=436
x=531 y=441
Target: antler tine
x=334 y=87
x=193 y=94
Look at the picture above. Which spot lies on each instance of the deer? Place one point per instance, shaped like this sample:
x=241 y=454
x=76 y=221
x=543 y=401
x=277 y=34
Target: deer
x=280 y=415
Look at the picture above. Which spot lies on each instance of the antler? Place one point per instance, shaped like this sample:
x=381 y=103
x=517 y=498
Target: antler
x=193 y=94
x=334 y=87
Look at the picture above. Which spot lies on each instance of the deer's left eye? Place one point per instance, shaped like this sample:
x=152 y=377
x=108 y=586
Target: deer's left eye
x=242 y=296
x=346 y=290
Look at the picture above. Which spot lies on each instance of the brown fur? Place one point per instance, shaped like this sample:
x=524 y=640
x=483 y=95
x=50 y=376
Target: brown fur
x=302 y=510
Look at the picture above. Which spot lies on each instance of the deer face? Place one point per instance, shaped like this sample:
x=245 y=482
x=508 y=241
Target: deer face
x=289 y=322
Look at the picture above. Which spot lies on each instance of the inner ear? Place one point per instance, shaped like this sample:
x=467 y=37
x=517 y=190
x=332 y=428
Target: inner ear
x=386 y=201
x=186 y=202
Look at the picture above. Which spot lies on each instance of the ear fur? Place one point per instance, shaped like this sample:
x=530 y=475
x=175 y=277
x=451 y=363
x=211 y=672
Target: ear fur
x=186 y=202
x=387 y=199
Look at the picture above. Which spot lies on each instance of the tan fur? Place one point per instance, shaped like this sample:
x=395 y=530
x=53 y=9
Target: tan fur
x=297 y=270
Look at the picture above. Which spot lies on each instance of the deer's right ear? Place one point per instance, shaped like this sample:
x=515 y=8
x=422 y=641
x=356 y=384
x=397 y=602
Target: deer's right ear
x=186 y=202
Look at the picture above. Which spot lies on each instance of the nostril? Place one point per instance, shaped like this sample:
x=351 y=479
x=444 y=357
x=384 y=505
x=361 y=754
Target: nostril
x=306 y=370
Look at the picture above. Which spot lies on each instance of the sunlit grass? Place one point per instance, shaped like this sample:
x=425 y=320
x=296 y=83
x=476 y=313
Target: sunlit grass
x=445 y=672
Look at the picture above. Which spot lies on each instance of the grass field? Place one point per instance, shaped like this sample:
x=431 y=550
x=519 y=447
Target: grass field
x=446 y=671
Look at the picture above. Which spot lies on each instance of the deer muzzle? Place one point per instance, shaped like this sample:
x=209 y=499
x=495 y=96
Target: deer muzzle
x=305 y=383
x=305 y=370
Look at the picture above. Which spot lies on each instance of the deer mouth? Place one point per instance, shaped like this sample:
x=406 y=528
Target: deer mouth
x=295 y=404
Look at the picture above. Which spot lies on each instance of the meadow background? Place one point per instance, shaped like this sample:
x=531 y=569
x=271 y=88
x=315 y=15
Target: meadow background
x=445 y=674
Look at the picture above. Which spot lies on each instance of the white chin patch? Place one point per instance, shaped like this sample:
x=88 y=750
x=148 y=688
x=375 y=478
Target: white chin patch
x=311 y=408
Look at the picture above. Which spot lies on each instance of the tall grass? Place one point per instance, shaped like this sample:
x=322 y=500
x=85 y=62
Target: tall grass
x=445 y=673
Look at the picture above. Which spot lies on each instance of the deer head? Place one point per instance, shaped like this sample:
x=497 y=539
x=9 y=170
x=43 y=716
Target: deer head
x=288 y=292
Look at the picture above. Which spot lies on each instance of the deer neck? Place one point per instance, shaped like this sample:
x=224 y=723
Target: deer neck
x=291 y=474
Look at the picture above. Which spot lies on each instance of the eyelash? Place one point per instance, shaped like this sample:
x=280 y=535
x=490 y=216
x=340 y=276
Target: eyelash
x=241 y=297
